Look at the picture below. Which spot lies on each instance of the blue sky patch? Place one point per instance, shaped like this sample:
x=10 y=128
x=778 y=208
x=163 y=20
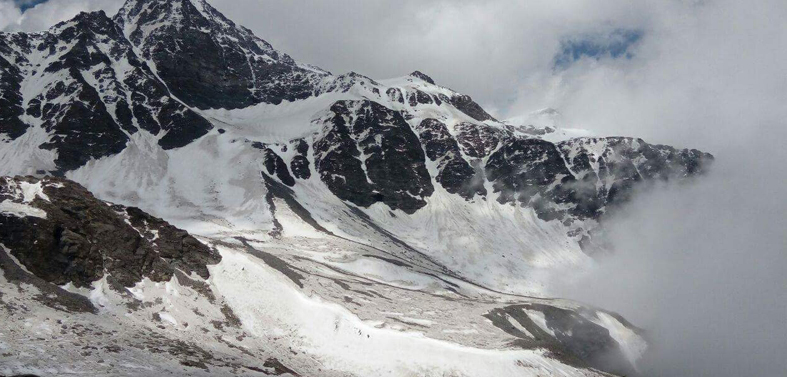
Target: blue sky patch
x=27 y=4
x=615 y=45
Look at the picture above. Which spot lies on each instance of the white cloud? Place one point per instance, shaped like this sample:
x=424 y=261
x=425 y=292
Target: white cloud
x=9 y=14
x=707 y=75
x=45 y=15
x=487 y=49
x=702 y=267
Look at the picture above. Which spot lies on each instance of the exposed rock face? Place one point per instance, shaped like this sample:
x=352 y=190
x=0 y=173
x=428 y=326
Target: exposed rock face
x=276 y=166
x=149 y=80
x=612 y=166
x=454 y=172
x=532 y=172
x=95 y=92
x=62 y=234
x=209 y=62
x=370 y=154
x=572 y=335
x=418 y=97
x=10 y=96
x=300 y=163
x=478 y=140
x=422 y=76
x=466 y=105
x=105 y=80
x=580 y=178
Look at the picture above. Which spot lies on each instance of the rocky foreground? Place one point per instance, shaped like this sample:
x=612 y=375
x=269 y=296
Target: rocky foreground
x=93 y=287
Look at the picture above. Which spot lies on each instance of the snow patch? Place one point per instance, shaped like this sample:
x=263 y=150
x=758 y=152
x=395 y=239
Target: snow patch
x=632 y=345
x=540 y=320
x=8 y=207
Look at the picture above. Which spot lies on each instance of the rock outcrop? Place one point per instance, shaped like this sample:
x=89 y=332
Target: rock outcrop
x=59 y=232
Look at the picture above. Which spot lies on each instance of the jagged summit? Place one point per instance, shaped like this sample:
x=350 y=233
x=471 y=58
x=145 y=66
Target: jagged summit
x=422 y=76
x=96 y=21
x=208 y=61
x=80 y=91
x=167 y=72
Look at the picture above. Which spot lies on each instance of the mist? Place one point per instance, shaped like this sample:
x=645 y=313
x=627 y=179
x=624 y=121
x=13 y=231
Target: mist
x=701 y=266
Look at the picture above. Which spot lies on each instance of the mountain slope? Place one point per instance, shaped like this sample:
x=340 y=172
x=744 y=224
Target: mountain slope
x=340 y=206
x=133 y=295
x=85 y=93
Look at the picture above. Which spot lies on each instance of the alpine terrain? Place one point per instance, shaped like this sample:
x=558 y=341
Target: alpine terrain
x=180 y=198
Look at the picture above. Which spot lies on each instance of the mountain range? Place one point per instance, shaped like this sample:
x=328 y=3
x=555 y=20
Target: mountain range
x=183 y=198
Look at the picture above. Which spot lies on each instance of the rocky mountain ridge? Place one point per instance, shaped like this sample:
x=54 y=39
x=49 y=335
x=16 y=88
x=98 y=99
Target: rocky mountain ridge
x=84 y=88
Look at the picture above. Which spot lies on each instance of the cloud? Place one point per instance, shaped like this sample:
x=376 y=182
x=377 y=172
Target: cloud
x=9 y=14
x=704 y=75
x=702 y=267
x=486 y=49
x=35 y=15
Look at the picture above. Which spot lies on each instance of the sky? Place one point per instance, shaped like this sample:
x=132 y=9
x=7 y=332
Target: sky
x=702 y=267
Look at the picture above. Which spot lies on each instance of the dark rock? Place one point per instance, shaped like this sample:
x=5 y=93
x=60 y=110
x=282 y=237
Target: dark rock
x=455 y=174
x=279 y=368
x=82 y=130
x=437 y=100
x=572 y=180
x=300 y=163
x=50 y=294
x=370 y=154
x=466 y=105
x=176 y=246
x=82 y=239
x=418 y=97
x=422 y=76
x=347 y=81
x=395 y=95
x=217 y=64
x=276 y=166
x=530 y=130
x=577 y=340
x=10 y=95
x=623 y=164
x=478 y=140
x=91 y=110
x=532 y=172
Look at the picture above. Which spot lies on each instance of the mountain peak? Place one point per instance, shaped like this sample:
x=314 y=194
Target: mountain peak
x=235 y=68
x=97 y=21
x=422 y=76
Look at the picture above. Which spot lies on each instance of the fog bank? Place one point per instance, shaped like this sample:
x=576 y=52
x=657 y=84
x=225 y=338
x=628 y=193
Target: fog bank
x=703 y=268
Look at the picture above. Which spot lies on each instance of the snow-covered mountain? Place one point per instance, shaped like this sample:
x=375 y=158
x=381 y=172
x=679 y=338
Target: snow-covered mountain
x=348 y=226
